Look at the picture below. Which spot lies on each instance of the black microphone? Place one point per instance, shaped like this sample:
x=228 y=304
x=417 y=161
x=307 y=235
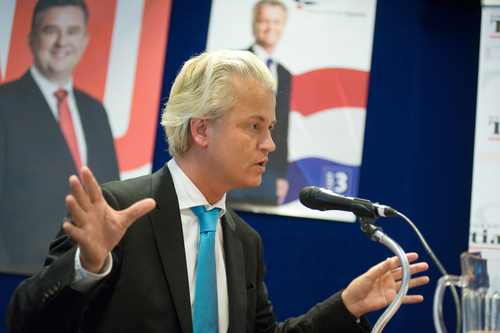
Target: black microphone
x=322 y=199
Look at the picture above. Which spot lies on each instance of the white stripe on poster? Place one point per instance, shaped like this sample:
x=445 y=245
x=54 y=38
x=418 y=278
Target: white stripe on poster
x=122 y=64
x=8 y=8
x=330 y=128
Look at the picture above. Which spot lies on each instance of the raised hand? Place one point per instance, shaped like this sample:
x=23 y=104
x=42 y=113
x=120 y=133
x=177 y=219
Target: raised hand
x=378 y=287
x=98 y=228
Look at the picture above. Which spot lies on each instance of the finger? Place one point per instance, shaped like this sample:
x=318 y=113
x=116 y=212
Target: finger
x=378 y=270
x=412 y=256
x=75 y=210
x=137 y=210
x=78 y=192
x=414 y=269
x=396 y=262
x=93 y=190
x=389 y=264
x=412 y=299
x=73 y=231
x=420 y=281
x=418 y=268
x=415 y=282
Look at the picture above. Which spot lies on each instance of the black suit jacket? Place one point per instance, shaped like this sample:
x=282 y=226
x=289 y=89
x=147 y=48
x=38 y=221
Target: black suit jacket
x=147 y=289
x=35 y=164
x=277 y=166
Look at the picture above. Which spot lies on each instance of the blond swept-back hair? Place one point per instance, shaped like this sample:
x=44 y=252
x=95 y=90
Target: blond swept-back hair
x=261 y=3
x=204 y=89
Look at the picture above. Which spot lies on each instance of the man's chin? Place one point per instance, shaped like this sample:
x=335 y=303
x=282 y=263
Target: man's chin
x=254 y=183
x=62 y=67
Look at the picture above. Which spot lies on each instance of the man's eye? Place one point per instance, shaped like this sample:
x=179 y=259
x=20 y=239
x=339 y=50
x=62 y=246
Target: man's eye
x=74 y=31
x=50 y=30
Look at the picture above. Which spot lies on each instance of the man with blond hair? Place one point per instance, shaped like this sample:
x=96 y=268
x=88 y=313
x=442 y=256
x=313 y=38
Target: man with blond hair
x=126 y=259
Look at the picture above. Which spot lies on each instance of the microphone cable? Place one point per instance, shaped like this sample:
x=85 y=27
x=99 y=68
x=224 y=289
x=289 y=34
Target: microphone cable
x=440 y=268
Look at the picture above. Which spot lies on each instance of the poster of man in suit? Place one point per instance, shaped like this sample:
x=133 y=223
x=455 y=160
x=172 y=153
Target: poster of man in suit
x=268 y=22
x=54 y=83
x=320 y=54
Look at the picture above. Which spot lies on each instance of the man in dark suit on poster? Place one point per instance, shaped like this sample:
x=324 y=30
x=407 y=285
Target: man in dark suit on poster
x=269 y=18
x=48 y=130
x=128 y=255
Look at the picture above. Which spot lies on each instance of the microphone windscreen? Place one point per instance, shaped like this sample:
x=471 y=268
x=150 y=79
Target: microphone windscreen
x=307 y=196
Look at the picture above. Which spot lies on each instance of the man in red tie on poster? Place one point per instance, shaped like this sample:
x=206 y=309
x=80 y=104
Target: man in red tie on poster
x=48 y=131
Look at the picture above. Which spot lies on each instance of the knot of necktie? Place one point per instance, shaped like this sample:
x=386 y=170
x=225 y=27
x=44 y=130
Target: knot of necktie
x=61 y=94
x=208 y=219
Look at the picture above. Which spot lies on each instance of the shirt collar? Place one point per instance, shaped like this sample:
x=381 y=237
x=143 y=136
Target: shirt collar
x=262 y=54
x=188 y=194
x=48 y=87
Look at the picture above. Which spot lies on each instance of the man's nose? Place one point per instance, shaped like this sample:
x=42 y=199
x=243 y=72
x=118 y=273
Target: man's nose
x=268 y=143
x=62 y=38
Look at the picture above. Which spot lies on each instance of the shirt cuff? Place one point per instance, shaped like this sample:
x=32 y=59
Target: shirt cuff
x=83 y=280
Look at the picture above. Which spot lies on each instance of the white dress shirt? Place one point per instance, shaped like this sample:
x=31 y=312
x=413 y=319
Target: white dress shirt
x=189 y=196
x=264 y=56
x=48 y=88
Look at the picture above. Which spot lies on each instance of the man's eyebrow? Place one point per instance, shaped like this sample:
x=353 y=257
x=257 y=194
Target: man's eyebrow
x=51 y=25
x=261 y=118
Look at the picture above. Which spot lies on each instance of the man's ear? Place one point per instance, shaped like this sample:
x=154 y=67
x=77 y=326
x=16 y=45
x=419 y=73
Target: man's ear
x=199 y=131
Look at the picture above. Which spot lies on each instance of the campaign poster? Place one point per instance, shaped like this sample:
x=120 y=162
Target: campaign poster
x=320 y=54
x=111 y=63
x=485 y=198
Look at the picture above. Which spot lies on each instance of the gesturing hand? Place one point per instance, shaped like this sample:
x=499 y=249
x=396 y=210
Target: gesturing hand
x=98 y=227
x=378 y=287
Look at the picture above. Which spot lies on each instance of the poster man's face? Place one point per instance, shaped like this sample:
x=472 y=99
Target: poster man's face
x=59 y=41
x=269 y=25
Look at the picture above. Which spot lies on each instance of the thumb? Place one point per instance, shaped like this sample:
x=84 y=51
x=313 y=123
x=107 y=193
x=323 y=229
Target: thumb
x=137 y=210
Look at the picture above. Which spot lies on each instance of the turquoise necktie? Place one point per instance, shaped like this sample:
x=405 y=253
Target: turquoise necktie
x=205 y=312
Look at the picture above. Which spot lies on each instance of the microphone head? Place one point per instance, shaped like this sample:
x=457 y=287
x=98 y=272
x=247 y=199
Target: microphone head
x=307 y=196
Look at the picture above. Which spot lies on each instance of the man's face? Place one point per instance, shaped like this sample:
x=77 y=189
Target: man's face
x=239 y=141
x=59 y=41
x=269 y=25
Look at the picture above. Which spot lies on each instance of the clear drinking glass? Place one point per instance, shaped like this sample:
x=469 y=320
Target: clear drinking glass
x=480 y=284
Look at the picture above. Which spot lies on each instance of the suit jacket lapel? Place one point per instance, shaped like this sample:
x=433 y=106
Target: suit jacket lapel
x=40 y=110
x=235 y=274
x=36 y=103
x=166 y=223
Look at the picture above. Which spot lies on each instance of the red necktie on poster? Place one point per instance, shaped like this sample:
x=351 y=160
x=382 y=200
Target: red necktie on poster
x=67 y=128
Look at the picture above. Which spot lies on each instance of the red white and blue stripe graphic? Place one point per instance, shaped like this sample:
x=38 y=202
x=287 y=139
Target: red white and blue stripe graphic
x=327 y=106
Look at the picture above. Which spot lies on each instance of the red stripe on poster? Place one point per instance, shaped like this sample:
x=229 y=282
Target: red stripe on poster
x=135 y=149
x=328 y=88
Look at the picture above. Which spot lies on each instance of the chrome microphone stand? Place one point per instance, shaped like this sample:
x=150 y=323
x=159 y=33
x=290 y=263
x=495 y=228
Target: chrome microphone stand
x=376 y=234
